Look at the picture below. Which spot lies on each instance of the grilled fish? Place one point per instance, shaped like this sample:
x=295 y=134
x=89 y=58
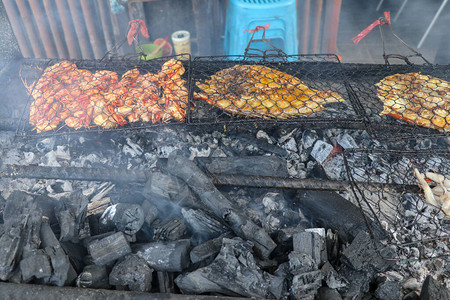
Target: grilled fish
x=259 y=91
x=416 y=98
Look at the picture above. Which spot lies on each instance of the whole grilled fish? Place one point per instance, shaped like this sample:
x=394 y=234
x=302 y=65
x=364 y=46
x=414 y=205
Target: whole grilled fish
x=259 y=91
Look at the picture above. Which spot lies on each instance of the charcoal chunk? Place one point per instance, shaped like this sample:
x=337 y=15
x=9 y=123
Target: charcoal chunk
x=306 y=285
x=109 y=249
x=166 y=256
x=132 y=272
x=93 y=276
x=433 y=290
x=36 y=265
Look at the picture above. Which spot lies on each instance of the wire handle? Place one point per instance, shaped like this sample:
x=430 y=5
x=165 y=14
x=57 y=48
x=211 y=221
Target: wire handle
x=263 y=53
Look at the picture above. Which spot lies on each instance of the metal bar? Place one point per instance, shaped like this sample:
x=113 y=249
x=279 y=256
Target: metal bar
x=329 y=38
x=140 y=176
x=432 y=24
x=97 y=43
x=30 y=28
x=43 y=28
x=56 y=29
x=318 y=8
x=67 y=25
x=400 y=10
x=78 y=23
x=305 y=30
x=106 y=23
x=14 y=18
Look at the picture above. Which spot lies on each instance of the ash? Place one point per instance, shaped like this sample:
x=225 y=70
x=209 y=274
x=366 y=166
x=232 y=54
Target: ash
x=293 y=244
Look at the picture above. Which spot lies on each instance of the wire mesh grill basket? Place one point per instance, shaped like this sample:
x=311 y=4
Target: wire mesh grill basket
x=297 y=88
x=92 y=95
x=388 y=191
x=403 y=101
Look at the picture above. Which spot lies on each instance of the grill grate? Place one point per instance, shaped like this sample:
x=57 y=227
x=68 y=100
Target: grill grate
x=411 y=223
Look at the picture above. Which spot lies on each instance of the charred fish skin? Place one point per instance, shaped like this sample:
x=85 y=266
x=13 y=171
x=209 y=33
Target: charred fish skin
x=259 y=91
x=416 y=98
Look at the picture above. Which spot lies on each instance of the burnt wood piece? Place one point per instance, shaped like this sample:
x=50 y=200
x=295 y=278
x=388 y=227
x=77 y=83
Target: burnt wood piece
x=170 y=230
x=36 y=265
x=34 y=291
x=93 y=276
x=215 y=201
x=125 y=217
x=165 y=282
x=306 y=285
x=63 y=271
x=109 y=249
x=140 y=176
x=11 y=243
x=433 y=290
x=330 y=210
x=204 y=252
x=70 y=214
x=312 y=244
x=203 y=226
x=233 y=272
x=165 y=256
x=132 y=272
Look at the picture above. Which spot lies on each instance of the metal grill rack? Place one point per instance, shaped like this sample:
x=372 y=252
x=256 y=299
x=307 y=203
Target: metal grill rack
x=415 y=229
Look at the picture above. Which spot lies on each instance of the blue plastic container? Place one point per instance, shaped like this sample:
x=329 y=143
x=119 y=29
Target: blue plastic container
x=247 y=14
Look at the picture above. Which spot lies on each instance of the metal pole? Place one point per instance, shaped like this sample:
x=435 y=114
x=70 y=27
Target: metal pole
x=432 y=23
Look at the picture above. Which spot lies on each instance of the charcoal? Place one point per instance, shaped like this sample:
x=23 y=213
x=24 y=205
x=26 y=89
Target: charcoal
x=330 y=210
x=312 y=244
x=170 y=230
x=36 y=265
x=132 y=272
x=18 y=202
x=11 y=243
x=203 y=226
x=411 y=296
x=208 y=249
x=411 y=284
x=125 y=217
x=109 y=249
x=165 y=282
x=306 y=285
x=246 y=165
x=301 y=263
x=165 y=256
x=433 y=290
x=389 y=290
x=70 y=214
x=150 y=212
x=214 y=200
x=321 y=151
x=362 y=256
x=332 y=278
x=93 y=276
x=63 y=271
x=233 y=272
x=326 y=293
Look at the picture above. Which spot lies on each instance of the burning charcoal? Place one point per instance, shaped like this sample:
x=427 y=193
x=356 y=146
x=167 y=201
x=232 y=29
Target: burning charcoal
x=433 y=290
x=326 y=293
x=109 y=249
x=11 y=247
x=45 y=145
x=132 y=149
x=301 y=263
x=346 y=141
x=62 y=152
x=312 y=244
x=331 y=210
x=203 y=226
x=50 y=160
x=321 y=151
x=248 y=165
x=305 y=286
x=165 y=282
x=233 y=272
x=125 y=217
x=171 y=230
x=63 y=271
x=309 y=137
x=36 y=265
x=215 y=201
x=165 y=256
x=132 y=272
x=332 y=278
x=93 y=276
x=208 y=250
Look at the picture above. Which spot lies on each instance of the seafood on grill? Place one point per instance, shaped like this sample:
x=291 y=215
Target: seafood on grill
x=260 y=91
x=417 y=99
x=438 y=194
x=80 y=98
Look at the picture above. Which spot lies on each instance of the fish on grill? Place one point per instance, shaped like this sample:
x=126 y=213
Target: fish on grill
x=259 y=91
x=416 y=98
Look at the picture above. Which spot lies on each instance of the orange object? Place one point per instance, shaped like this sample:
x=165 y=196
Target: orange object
x=167 y=48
